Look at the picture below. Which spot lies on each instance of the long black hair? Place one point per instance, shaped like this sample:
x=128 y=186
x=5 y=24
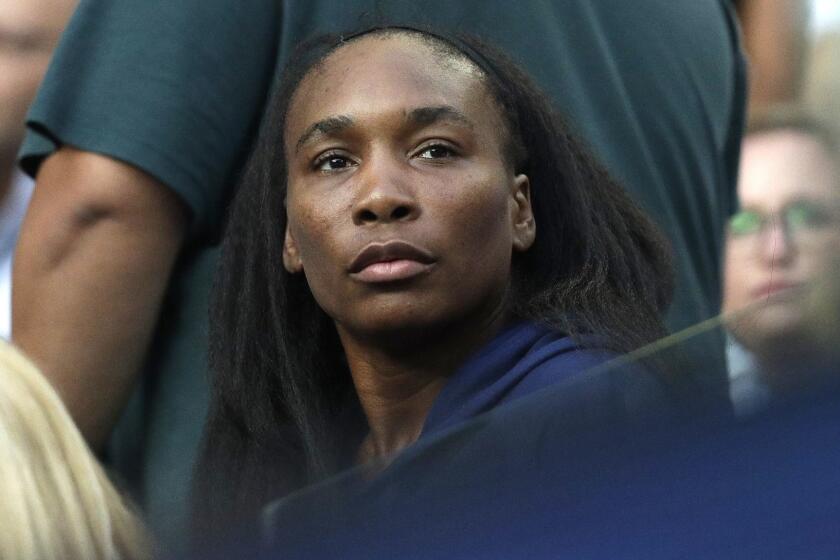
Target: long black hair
x=283 y=410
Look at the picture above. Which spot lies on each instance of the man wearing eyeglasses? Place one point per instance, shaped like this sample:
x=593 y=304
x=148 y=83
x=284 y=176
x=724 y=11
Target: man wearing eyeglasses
x=782 y=253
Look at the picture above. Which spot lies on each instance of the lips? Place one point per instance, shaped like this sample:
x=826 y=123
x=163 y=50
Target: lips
x=390 y=261
x=776 y=287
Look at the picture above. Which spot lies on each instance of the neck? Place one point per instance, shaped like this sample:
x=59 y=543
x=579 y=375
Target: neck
x=398 y=383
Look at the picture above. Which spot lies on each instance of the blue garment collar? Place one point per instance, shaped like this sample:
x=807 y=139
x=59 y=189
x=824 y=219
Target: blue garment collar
x=489 y=375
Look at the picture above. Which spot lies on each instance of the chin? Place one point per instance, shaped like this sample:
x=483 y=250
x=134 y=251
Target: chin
x=410 y=323
x=397 y=334
x=413 y=322
x=774 y=312
x=418 y=316
x=383 y=311
x=769 y=326
x=781 y=317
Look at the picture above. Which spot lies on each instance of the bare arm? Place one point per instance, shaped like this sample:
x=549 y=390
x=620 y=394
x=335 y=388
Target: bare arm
x=91 y=268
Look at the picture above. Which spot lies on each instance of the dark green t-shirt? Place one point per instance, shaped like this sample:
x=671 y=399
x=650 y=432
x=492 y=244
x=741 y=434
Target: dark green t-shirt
x=177 y=89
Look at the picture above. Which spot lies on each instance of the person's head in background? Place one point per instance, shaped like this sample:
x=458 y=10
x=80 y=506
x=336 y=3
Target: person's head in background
x=784 y=244
x=55 y=500
x=29 y=30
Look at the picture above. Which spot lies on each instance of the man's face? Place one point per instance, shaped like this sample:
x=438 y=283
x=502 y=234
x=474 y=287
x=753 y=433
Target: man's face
x=29 y=30
x=782 y=242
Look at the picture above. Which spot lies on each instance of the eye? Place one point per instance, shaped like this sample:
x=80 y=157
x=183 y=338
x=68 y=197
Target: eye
x=331 y=162
x=436 y=151
x=805 y=215
x=745 y=223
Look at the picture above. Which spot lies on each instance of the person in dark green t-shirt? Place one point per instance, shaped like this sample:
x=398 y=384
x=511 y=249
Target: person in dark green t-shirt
x=141 y=125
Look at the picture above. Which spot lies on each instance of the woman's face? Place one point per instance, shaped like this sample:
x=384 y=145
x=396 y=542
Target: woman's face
x=402 y=211
x=786 y=237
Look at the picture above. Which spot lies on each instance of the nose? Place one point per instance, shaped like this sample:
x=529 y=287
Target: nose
x=384 y=194
x=776 y=244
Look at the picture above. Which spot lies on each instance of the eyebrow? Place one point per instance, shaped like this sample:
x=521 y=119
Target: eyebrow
x=421 y=116
x=330 y=125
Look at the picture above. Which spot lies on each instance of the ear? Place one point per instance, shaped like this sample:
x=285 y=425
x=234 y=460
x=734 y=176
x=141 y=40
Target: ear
x=524 y=227
x=291 y=257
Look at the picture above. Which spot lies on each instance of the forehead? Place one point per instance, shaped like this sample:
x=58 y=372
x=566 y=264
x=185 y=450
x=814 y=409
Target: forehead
x=784 y=165
x=385 y=73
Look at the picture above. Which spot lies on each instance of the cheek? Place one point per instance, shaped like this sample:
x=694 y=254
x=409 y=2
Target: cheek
x=314 y=221
x=736 y=281
x=480 y=219
x=316 y=235
x=816 y=265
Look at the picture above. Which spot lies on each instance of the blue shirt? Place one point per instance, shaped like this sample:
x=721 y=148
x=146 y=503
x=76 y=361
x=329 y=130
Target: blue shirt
x=510 y=423
x=522 y=359
x=525 y=481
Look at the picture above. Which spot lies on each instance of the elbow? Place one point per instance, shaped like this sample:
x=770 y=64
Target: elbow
x=81 y=196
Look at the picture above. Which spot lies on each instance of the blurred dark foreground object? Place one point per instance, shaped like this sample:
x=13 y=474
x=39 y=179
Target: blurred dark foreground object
x=551 y=477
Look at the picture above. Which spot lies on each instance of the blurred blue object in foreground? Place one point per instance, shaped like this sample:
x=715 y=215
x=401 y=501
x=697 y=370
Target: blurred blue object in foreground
x=551 y=478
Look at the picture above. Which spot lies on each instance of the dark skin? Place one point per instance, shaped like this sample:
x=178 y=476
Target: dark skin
x=403 y=213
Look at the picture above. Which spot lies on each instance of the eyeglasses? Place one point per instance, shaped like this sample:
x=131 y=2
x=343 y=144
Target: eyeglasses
x=797 y=218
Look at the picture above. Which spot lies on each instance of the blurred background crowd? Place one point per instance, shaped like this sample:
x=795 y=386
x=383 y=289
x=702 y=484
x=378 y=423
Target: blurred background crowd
x=783 y=240
x=97 y=293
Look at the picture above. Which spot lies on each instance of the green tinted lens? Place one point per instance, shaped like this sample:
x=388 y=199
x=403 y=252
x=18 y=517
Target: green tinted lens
x=804 y=216
x=745 y=223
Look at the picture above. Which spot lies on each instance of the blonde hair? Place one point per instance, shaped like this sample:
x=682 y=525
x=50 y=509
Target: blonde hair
x=56 y=501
